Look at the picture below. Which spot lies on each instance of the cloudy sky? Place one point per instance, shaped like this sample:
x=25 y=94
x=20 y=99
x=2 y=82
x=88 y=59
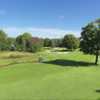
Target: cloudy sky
x=47 y=18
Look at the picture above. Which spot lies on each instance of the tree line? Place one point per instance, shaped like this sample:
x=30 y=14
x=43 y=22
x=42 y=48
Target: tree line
x=25 y=42
x=88 y=42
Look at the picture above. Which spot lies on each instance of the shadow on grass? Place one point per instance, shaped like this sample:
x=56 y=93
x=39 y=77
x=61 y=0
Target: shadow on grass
x=70 y=63
x=98 y=91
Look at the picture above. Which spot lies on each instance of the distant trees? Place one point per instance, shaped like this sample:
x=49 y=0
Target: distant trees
x=11 y=43
x=52 y=42
x=70 y=42
x=3 y=40
x=56 y=42
x=25 y=42
x=90 y=39
x=36 y=44
x=6 y=43
x=47 y=42
x=89 y=42
x=3 y=36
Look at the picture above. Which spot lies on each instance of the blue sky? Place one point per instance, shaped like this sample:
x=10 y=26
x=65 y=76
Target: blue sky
x=47 y=18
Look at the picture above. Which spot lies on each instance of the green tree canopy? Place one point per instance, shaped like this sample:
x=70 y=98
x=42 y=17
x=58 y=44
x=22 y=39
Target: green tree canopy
x=47 y=42
x=3 y=36
x=70 y=42
x=26 y=36
x=23 y=41
x=3 y=40
x=90 y=39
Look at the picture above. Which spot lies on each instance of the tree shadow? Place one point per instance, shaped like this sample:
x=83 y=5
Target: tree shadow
x=65 y=50
x=97 y=90
x=69 y=63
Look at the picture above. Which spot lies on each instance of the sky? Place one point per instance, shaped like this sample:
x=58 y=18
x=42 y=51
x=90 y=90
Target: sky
x=47 y=18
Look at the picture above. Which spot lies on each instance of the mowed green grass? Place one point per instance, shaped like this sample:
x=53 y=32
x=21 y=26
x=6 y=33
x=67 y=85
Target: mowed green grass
x=49 y=81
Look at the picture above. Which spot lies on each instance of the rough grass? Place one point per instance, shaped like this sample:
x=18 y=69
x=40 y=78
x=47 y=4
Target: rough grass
x=71 y=76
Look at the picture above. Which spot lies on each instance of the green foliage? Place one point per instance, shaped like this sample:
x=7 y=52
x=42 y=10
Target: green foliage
x=70 y=42
x=4 y=46
x=10 y=40
x=90 y=39
x=23 y=41
x=26 y=36
x=3 y=40
x=56 y=42
x=52 y=42
x=47 y=42
x=11 y=43
x=3 y=36
x=36 y=47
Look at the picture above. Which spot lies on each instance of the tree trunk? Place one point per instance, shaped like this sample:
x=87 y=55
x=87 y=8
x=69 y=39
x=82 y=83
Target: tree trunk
x=97 y=56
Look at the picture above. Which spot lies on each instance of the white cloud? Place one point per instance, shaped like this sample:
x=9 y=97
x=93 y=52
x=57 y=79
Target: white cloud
x=40 y=32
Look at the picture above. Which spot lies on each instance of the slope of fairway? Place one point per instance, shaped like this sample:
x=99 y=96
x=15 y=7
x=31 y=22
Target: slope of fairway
x=60 y=77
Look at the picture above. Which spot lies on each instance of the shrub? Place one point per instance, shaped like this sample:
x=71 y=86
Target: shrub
x=36 y=47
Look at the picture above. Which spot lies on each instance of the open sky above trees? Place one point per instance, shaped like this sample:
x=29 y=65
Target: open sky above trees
x=47 y=18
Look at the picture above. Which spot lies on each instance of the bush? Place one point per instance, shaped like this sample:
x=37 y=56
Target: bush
x=14 y=56
x=71 y=42
x=36 y=47
x=4 y=46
